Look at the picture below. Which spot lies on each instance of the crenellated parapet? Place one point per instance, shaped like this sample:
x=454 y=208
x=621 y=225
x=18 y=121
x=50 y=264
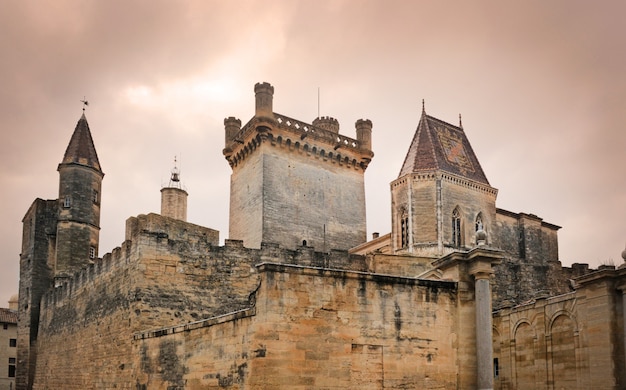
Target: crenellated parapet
x=320 y=138
x=300 y=137
x=163 y=252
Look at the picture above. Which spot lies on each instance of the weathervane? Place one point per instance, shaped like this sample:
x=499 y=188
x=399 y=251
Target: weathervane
x=85 y=103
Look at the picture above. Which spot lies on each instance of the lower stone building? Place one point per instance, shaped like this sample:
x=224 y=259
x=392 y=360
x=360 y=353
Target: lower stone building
x=8 y=345
x=459 y=295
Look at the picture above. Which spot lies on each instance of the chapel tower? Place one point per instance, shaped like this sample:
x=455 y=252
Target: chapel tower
x=80 y=188
x=294 y=183
x=441 y=197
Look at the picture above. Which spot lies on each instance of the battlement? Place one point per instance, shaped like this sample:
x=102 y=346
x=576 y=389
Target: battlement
x=66 y=288
x=300 y=136
x=321 y=135
x=188 y=249
x=327 y=123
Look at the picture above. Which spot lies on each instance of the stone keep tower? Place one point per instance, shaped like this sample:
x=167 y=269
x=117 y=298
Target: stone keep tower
x=80 y=186
x=295 y=183
x=441 y=196
x=59 y=237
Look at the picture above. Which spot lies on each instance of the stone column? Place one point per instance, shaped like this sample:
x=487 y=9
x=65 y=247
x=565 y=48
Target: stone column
x=484 y=337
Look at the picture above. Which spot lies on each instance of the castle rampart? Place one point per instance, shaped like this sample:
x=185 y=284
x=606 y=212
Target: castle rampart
x=379 y=324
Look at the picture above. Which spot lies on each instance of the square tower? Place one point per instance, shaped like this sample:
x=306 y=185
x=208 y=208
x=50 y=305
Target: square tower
x=295 y=183
x=441 y=197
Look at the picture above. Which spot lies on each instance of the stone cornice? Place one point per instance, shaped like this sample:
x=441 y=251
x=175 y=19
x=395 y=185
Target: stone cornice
x=447 y=177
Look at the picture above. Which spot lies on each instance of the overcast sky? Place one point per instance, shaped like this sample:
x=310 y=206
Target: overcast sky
x=540 y=84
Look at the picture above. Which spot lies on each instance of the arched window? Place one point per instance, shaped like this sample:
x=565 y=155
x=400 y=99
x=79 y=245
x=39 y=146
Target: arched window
x=404 y=229
x=479 y=222
x=456 y=227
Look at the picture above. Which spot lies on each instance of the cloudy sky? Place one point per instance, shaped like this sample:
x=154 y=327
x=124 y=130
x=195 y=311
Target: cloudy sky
x=540 y=85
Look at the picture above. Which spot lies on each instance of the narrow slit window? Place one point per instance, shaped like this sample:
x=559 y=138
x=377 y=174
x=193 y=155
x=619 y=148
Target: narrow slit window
x=456 y=228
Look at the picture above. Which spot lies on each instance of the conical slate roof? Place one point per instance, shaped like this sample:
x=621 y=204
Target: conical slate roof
x=438 y=145
x=81 y=149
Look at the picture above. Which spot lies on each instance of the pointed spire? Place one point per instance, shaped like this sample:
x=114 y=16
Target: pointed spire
x=81 y=149
x=440 y=146
x=423 y=106
x=460 y=121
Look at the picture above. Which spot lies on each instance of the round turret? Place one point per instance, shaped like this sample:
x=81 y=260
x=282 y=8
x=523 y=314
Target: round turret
x=327 y=123
x=232 y=126
x=364 y=133
x=264 y=94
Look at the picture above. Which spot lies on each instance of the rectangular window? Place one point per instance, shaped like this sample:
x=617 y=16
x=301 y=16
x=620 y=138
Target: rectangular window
x=496 y=368
x=12 y=342
x=67 y=202
x=5 y=326
x=11 y=367
x=92 y=252
x=94 y=196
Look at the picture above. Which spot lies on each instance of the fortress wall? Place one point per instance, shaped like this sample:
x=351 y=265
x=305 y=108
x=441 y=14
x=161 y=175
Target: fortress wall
x=166 y=273
x=406 y=266
x=318 y=328
x=83 y=335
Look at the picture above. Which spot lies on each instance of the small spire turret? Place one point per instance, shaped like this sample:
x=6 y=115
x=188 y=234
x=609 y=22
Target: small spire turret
x=174 y=197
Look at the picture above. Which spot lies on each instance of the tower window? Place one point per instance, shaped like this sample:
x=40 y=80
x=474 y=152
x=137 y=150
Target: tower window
x=92 y=252
x=404 y=230
x=12 y=367
x=456 y=228
x=67 y=202
x=94 y=196
x=12 y=343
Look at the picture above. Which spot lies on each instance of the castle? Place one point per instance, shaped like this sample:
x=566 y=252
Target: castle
x=459 y=295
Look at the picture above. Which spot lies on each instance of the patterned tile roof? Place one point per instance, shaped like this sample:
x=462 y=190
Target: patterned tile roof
x=8 y=316
x=438 y=145
x=81 y=149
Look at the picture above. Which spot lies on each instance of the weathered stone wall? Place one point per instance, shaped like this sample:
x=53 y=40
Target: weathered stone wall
x=85 y=324
x=287 y=195
x=79 y=223
x=35 y=279
x=316 y=328
x=429 y=200
x=309 y=198
x=470 y=200
x=398 y=265
x=246 y=202
x=571 y=341
x=167 y=272
x=530 y=268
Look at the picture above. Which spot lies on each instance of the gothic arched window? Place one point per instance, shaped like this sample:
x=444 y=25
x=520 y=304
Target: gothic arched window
x=456 y=227
x=404 y=229
x=479 y=225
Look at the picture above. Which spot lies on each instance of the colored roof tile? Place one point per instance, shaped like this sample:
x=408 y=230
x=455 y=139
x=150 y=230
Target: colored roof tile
x=438 y=145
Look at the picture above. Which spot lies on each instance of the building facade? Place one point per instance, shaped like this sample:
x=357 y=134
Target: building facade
x=460 y=294
x=8 y=345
